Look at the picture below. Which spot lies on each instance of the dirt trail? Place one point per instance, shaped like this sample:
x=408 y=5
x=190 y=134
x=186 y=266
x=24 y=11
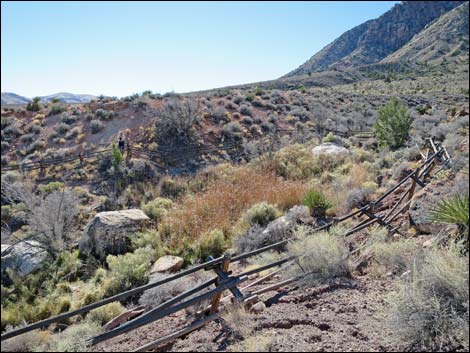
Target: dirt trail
x=342 y=317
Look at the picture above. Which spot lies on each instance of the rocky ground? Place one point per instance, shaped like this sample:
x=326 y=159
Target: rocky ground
x=340 y=317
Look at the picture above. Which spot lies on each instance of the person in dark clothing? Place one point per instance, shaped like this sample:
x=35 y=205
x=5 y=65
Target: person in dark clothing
x=121 y=143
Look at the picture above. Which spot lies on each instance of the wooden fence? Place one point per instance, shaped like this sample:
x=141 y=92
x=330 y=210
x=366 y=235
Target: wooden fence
x=224 y=279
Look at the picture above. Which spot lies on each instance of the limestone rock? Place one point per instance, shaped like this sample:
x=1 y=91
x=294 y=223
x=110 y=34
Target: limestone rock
x=168 y=263
x=110 y=232
x=24 y=257
x=258 y=308
x=329 y=148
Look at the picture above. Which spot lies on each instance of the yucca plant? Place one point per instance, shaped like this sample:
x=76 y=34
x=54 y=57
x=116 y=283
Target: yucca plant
x=317 y=203
x=452 y=211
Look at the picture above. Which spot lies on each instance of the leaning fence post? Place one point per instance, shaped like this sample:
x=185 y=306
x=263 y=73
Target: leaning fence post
x=224 y=266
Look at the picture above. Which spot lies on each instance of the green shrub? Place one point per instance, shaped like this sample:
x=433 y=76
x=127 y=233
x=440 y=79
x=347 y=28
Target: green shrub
x=261 y=213
x=129 y=270
x=50 y=187
x=34 y=105
x=393 y=124
x=149 y=238
x=96 y=126
x=117 y=157
x=56 y=109
x=330 y=137
x=211 y=244
x=106 y=313
x=157 y=208
x=317 y=202
x=170 y=188
x=430 y=310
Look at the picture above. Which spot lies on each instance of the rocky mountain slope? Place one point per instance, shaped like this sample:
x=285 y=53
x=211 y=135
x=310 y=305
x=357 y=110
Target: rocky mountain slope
x=13 y=98
x=374 y=40
x=447 y=37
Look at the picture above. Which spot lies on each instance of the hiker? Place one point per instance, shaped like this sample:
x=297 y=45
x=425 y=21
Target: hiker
x=121 y=143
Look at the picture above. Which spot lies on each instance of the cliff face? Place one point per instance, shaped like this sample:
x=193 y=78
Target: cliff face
x=374 y=40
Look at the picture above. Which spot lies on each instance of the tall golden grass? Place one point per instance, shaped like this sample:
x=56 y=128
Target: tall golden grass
x=224 y=199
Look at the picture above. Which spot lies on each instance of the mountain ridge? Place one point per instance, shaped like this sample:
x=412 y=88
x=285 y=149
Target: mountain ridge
x=371 y=41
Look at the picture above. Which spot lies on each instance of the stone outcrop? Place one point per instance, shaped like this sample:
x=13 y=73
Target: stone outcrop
x=110 y=232
x=23 y=258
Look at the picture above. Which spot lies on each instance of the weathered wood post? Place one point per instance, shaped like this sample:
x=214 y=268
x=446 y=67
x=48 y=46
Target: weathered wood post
x=224 y=268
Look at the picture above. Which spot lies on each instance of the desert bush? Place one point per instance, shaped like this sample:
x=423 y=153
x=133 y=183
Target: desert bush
x=393 y=124
x=36 y=145
x=157 y=208
x=96 y=126
x=232 y=129
x=292 y=162
x=394 y=256
x=246 y=110
x=171 y=188
x=177 y=118
x=61 y=128
x=273 y=119
x=261 y=213
x=56 y=109
x=330 y=137
x=158 y=295
x=106 y=313
x=430 y=310
x=149 y=239
x=211 y=244
x=27 y=342
x=220 y=114
x=358 y=197
x=34 y=129
x=247 y=120
x=28 y=138
x=73 y=133
x=73 y=339
x=322 y=257
x=129 y=270
x=34 y=105
x=267 y=127
x=68 y=119
x=103 y=114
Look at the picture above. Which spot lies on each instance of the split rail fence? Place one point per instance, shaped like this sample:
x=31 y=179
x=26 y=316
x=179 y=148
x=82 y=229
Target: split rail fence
x=225 y=280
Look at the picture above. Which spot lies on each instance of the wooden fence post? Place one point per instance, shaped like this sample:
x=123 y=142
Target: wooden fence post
x=224 y=266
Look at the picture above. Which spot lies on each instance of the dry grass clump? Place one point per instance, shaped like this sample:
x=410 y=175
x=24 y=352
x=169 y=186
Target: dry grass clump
x=27 y=342
x=322 y=257
x=430 y=311
x=262 y=342
x=73 y=339
x=225 y=199
x=391 y=256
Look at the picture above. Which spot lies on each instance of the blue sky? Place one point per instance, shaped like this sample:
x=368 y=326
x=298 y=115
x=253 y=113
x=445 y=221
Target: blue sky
x=120 y=48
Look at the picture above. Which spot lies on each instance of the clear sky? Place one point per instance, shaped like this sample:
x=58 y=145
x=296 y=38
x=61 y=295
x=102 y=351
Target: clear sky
x=120 y=48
